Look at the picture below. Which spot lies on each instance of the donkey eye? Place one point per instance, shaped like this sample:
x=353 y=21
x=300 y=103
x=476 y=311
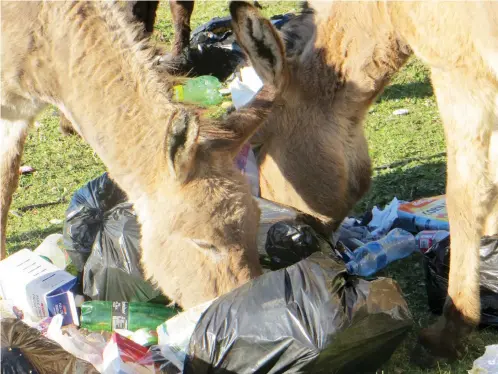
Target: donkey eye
x=204 y=245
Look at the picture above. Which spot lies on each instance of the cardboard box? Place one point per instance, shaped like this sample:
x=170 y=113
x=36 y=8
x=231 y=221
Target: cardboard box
x=424 y=214
x=38 y=287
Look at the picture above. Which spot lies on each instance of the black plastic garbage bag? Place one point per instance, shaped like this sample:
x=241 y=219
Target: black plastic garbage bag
x=102 y=236
x=113 y=271
x=26 y=351
x=290 y=241
x=214 y=50
x=436 y=267
x=85 y=214
x=308 y=318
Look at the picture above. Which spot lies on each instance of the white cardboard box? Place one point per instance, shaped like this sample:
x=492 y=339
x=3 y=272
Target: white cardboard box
x=37 y=286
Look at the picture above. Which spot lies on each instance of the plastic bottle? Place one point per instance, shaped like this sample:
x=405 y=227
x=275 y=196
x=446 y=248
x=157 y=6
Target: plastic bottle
x=427 y=238
x=203 y=90
x=112 y=315
x=374 y=256
x=52 y=250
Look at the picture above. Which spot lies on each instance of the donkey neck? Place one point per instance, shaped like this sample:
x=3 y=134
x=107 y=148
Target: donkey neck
x=359 y=51
x=107 y=87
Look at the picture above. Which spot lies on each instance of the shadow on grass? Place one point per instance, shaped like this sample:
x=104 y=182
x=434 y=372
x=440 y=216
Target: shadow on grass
x=405 y=183
x=26 y=239
x=410 y=90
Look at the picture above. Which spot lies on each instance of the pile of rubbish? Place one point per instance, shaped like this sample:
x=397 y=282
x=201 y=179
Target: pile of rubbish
x=107 y=315
x=80 y=302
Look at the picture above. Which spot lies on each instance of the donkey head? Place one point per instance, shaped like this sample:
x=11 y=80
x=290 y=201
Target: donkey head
x=211 y=220
x=314 y=153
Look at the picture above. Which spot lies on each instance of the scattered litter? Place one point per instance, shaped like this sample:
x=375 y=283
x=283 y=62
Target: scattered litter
x=89 y=348
x=56 y=221
x=374 y=256
x=382 y=220
x=112 y=315
x=123 y=356
x=174 y=335
x=424 y=214
x=401 y=112
x=488 y=362
x=427 y=238
x=436 y=268
x=26 y=169
x=40 y=288
x=203 y=91
x=243 y=89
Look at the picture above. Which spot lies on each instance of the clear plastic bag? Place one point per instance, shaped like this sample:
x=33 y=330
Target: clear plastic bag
x=89 y=348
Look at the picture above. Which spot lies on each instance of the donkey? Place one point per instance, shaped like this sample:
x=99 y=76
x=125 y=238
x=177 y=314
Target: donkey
x=353 y=51
x=198 y=218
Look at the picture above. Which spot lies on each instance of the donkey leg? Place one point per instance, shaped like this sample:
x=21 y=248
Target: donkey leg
x=12 y=138
x=468 y=117
x=181 y=12
x=176 y=62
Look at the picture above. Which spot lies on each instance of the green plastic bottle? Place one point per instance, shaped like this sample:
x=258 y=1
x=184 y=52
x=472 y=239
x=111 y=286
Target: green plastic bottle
x=111 y=315
x=203 y=90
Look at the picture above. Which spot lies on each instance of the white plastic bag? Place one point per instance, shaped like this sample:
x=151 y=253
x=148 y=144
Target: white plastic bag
x=89 y=348
x=487 y=363
x=244 y=90
x=382 y=220
x=174 y=334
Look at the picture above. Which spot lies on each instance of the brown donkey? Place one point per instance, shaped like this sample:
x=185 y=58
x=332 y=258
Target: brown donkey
x=198 y=218
x=353 y=51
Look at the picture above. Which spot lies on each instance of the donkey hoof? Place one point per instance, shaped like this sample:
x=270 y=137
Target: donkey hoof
x=175 y=64
x=441 y=343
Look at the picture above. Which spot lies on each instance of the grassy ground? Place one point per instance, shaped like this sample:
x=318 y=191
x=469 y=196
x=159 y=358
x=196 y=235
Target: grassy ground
x=66 y=163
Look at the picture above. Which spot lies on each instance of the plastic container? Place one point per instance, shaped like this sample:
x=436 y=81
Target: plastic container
x=52 y=250
x=203 y=90
x=112 y=315
x=374 y=256
x=427 y=238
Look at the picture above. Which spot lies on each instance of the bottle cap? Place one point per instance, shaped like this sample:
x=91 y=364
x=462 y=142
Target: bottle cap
x=178 y=93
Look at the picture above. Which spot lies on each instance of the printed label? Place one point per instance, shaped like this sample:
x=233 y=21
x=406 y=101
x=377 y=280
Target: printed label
x=119 y=315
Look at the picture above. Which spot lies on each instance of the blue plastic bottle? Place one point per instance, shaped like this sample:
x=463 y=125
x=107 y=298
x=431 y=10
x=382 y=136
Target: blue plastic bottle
x=374 y=256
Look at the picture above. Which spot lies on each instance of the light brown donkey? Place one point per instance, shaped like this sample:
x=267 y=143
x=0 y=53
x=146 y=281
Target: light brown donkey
x=353 y=50
x=198 y=218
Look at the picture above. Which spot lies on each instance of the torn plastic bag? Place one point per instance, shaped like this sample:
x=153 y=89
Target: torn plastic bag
x=436 y=268
x=310 y=317
x=113 y=271
x=84 y=216
x=44 y=355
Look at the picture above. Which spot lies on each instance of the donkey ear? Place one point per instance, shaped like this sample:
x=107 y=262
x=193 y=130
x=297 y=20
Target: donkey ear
x=180 y=144
x=260 y=41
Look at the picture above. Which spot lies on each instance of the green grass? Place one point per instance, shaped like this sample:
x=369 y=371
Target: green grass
x=66 y=163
